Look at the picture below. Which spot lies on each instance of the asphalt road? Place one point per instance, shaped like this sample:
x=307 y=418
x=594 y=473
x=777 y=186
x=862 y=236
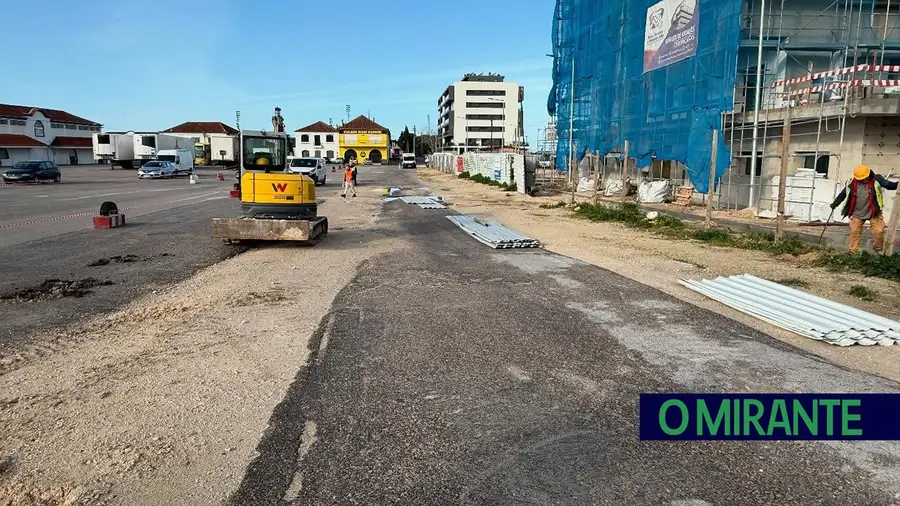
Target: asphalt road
x=36 y=211
x=456 y=374
x=166 y=239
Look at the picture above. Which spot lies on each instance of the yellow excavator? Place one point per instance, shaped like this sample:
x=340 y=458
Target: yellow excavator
x=276 y=205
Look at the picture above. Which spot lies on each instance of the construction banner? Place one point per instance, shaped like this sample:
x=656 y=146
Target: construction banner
x=671 y=33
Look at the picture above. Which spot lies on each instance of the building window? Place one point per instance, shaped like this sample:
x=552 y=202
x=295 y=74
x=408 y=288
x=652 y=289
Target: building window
x=4 y=154
x=810 y=161
x=58 y=126
x=83 y=127
x=71 y=127
x=38 y=128
x=747 y=162
x=304 y=138
x=486 y=93
x=17 y=122
x=495 y=117
x=329 y=154
x=484 y=129
x=95 y=129
x=4 y=122
x=485 y=105
x=318 y=154
x=317 y=140
x=329 y=138
x=305 y=152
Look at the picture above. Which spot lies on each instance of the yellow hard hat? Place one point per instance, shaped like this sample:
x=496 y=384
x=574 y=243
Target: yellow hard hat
x=861 y=172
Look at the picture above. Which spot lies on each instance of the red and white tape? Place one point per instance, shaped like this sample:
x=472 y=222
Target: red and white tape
x=92 y=213
x=865 y=67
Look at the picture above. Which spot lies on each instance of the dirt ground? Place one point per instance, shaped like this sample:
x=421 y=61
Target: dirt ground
x=168 y=398
x=660 y=263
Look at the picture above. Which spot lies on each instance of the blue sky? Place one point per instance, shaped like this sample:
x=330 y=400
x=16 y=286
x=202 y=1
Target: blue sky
x=139 y=65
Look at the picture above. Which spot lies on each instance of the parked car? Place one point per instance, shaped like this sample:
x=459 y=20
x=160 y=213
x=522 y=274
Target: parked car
x=157 y=169
x=312 y=167
x=32 y=172
x=408 y=161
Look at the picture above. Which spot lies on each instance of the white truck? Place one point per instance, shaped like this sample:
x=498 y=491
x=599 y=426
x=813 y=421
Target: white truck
x=223 y=149
x=183 y=159
x=116 y=149
x=148 y=146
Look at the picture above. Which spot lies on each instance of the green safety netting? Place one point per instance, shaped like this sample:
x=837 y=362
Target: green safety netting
x=657 y=73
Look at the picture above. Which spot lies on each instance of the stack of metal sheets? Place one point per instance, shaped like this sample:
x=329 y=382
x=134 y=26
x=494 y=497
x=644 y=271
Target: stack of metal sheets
x=799 y=312
x=493 y=234
x=431 y=202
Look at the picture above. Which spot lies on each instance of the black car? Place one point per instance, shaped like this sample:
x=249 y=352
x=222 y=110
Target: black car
x=32 y=172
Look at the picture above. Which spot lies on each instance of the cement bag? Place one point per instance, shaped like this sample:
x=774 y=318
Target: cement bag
x=613 y=187
x=651 y=192
x=586 y=184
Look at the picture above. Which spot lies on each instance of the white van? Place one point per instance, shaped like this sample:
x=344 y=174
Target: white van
x=183 y=159
x=408 y=161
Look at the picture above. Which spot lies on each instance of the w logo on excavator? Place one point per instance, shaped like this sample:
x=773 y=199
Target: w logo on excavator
x=279 y=187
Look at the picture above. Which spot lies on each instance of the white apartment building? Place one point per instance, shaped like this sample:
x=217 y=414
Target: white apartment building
x=35 y=133
x=482 y=111
x=319 y=140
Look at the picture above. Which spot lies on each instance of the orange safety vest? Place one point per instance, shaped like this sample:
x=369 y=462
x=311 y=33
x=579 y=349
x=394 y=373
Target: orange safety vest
x=348 y=175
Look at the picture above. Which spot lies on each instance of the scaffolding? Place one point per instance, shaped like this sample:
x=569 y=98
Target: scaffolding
x=814 y=65
x=829 y=69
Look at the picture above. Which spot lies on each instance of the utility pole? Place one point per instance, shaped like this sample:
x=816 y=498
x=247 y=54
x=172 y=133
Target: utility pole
x=712 y=178
x=782 y=177
x=414 y=140
x=572 y=127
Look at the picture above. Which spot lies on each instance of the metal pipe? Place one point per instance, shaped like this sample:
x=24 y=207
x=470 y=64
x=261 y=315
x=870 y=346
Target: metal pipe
x=757 y=94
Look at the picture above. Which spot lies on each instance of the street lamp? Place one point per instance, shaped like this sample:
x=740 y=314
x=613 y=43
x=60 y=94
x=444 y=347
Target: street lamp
x=492 y=121
x=466 y=148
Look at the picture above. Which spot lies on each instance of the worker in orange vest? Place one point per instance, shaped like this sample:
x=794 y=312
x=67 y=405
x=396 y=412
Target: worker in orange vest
x=348 y=182
x=864 y=203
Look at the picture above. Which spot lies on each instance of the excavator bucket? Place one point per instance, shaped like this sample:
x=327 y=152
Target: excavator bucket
x=233 y=230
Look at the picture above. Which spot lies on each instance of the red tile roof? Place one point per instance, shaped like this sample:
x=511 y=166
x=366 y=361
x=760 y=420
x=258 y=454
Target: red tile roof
x=202 y=127
x=318 y=127
x=72 y=142
x=362 y=123
x=20 y=141
x=23 y=111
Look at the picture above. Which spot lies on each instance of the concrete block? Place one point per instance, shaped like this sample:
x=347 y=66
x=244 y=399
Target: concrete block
x=111 y=221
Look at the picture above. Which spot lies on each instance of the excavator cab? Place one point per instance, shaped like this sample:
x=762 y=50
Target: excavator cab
x=276 y=204
x=268 y=189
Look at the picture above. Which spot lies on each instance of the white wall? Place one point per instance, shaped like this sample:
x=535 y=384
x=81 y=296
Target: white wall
x=323 y=147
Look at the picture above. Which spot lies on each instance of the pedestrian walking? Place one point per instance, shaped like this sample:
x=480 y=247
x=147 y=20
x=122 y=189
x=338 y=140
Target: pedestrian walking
x=348 y=182
x=864 y=203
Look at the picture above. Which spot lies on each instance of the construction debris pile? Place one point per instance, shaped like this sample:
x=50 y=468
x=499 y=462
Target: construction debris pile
x=493 y=233
x=799 y=312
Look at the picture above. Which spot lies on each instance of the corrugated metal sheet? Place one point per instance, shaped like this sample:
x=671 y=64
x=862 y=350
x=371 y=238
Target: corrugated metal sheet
x=799 y=312
x=432 y=205
x=493 y=233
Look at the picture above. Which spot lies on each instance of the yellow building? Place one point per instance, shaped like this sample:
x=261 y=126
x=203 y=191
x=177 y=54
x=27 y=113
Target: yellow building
x=364 y=139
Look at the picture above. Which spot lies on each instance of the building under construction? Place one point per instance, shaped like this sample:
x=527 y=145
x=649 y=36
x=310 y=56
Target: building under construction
x=661 y=82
